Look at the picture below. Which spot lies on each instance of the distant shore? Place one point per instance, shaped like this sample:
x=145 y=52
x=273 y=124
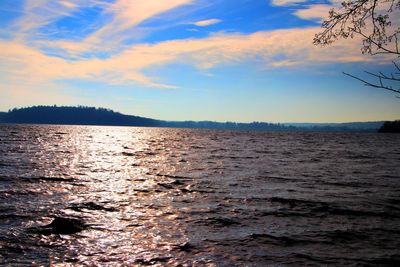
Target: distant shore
x=80 y=115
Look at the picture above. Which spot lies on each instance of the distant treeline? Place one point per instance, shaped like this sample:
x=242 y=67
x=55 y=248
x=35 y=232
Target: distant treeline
x=260 y=126
x=82 y=115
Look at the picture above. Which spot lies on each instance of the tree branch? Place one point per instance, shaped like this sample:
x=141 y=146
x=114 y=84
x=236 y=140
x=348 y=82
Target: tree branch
x=381 y=85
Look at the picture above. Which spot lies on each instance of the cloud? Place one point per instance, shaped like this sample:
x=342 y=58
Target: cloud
x=278 y=48
x=126 y=14
x=68 y=4
x=314 y=12
x=286 y=2
x=208 y=22
x=38 y=13
x=129 y=13
x=23 y=64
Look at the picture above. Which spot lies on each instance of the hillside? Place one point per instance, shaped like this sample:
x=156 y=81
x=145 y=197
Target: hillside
x=75 y=116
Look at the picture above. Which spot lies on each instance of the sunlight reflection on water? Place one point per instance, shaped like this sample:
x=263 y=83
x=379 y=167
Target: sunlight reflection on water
x=197 y=197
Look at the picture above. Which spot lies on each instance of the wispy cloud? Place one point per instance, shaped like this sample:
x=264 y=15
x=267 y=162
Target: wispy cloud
x=207 y=22
x=130 y=13
x=126 y=15
x=20 y=61
x=279 y=48
x=286 y=2
x=50 y=49
x=68 y=4
x=39 y=13
x=314 y=12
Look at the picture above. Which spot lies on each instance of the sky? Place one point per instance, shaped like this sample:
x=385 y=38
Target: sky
x=222 y=60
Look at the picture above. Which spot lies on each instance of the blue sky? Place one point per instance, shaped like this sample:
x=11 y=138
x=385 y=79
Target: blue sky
x=224 y=60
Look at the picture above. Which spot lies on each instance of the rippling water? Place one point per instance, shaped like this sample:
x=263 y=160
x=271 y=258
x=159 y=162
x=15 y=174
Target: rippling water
x=148 y=196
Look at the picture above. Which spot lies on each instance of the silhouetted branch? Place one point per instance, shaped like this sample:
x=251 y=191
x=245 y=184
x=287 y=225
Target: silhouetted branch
x=367 y=18
x=381 y=78
x=371 y=20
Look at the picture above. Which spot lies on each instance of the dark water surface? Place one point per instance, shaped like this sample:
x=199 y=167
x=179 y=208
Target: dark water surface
x=174 y=197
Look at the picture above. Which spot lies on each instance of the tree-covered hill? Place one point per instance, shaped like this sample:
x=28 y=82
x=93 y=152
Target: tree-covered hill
x=74 y=115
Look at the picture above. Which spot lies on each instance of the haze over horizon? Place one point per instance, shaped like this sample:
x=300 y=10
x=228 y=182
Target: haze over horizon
x=244 y=60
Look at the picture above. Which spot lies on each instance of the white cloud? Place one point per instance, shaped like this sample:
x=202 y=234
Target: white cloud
x=208 y=22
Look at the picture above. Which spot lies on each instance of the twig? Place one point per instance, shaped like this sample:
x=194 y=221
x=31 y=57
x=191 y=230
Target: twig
x=372 y=84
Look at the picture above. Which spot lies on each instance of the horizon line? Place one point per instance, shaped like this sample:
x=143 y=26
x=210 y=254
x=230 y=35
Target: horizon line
x=204 y=120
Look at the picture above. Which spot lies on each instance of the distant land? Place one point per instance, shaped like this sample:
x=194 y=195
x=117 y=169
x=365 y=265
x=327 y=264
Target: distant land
x=82 y=115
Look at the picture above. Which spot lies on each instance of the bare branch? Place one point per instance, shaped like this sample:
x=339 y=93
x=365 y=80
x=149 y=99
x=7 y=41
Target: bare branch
x=382 y=76
x=369 y=19
x=381 y=85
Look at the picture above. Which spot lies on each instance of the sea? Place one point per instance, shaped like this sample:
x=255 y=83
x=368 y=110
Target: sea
x=128 y=196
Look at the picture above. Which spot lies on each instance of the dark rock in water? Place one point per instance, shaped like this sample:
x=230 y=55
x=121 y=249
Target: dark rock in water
x=171 y=185
x=134 y=225
x=91 y=206
x=222 y=221
x=65 y=226
x=186 y=247
x=153 y=261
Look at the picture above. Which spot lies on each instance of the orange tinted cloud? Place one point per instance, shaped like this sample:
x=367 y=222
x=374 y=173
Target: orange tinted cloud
x=286 y=2
x=279 y=48
x=314 y=12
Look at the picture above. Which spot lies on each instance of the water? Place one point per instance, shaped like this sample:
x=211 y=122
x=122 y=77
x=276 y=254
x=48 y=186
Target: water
x=174 y=197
